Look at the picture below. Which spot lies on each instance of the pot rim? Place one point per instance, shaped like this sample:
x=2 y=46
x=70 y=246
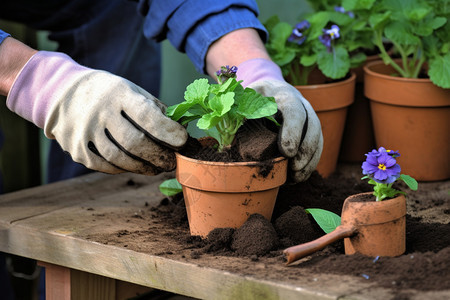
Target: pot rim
x=386 y=210
x=329 y=85
x=230 y=164
x=367 y=68
x=399 y=91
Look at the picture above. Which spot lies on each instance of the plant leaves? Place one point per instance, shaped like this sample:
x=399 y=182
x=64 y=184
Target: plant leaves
x=351 y=5
x=327 y=220
x=400 y=33
x=378 y=21
x=334 y=64
x=410 y=182
x=439 y=71
x=254 y=106
x=308 y=60
x=197 y=91
x=170 y=187
x=221 y=104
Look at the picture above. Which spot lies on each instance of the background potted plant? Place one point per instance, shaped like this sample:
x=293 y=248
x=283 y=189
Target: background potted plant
x=224 y=194
x=410 y=88
x=373 y=223
x=316 y=56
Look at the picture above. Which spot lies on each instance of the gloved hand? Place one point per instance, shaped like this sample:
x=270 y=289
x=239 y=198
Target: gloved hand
x=300 y=136
x=103 y=121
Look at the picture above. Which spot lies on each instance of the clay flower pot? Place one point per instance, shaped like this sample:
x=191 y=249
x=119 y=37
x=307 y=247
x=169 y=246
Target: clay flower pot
x=330 y=101
x=413 y=117
x=219 y=194
x=369 y=227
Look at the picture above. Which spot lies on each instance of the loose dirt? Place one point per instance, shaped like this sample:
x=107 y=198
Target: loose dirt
x=256 y=248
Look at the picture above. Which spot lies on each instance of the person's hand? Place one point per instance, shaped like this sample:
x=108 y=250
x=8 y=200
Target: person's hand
x=103 y=121
x=300 y=136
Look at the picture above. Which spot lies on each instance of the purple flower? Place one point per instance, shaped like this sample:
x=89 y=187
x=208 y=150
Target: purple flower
x=226 y=72
x=297 y=35
x=329 y=35
x=381 y=167
x=393 y=153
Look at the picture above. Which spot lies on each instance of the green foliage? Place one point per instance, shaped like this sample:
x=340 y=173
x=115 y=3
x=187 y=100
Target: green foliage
x=298 y=60
x=221 y=108
x=170 y=187
x=327 y=220
x=385 y=191
x=419 y=30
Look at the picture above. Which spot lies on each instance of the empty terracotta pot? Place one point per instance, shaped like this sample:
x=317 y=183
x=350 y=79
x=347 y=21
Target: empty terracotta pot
x=330 y=102
x=411 y=116
x=372 y=228
x=219 y=194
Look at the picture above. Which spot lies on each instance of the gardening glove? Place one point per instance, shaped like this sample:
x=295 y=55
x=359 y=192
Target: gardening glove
x=103 y=121
x=300 y=137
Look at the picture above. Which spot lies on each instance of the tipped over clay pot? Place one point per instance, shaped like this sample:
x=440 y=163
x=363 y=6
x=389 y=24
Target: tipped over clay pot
x=369 y=227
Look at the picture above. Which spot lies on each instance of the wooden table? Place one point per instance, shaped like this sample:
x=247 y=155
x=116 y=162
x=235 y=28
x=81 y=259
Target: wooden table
x=54 y=223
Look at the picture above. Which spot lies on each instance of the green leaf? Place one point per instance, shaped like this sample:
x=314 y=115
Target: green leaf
x=170 y=187
x=177 y=111
x=280 y=34
x=379 y=21
x=351 y=5
x=254 y=106
x=318 y=21
x=334 y=64
x=410 y=182
x=208 y=121
x=308 y=60
x=197 y=91
x=439 y=71
x=327 y=220
x=221 y=104
x=195 y=94
x=400 y=33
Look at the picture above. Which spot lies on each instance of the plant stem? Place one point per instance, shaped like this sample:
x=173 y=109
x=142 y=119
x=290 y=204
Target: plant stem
x=385 y=56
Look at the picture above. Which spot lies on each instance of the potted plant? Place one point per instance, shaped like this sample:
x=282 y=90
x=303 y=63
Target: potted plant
x=373 y=223
x=316 y=56
x=224 y=194
x=409 y=90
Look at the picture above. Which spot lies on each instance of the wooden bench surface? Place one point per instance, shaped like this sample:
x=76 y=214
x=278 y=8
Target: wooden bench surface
x=52 y=223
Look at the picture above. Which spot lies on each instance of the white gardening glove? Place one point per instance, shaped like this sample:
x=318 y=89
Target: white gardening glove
x=300 y=136
x=103 y=121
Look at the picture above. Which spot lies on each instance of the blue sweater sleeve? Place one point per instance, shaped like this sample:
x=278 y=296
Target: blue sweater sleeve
x=3 y=35
x=192 y=25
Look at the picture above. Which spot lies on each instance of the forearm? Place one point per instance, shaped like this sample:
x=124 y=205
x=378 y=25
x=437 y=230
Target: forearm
x=13 y=56
x=234 y=48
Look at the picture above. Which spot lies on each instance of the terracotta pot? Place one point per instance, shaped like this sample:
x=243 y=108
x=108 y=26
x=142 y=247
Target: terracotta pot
x=411 y=116
x=330 y=102
x=219 y=195
x=380 y=225
x=369 y=227
x=358 y=137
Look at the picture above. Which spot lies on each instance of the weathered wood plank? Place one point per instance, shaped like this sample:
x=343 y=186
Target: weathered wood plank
x=40 y=200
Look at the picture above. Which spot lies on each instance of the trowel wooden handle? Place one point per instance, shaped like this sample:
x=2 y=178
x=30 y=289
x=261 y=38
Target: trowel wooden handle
x=296 y=252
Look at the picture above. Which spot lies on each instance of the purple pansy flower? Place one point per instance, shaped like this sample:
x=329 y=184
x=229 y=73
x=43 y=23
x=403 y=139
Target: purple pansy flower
x=381 y=167
x=297 y=35
x=329 y=35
